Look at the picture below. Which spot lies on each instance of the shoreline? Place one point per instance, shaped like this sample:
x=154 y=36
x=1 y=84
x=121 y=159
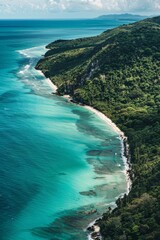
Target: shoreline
x=93 y=228
x=48 y=80
x=105 y=119
x=123 y=139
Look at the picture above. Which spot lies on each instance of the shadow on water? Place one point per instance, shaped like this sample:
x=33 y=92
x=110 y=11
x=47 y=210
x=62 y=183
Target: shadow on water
x=9 y=96
x=70 y=225
x=12 y=201
x=86 y=124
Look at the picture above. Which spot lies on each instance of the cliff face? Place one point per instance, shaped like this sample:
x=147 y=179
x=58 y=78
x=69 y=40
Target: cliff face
x=118 y=73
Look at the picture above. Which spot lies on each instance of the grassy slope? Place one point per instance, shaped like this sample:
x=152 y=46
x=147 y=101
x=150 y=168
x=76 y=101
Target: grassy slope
x=118 y=73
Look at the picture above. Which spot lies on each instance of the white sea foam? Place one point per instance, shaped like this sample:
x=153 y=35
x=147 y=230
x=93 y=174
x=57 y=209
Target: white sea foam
x=30 y=76
x=22 y=52
x=33 y=52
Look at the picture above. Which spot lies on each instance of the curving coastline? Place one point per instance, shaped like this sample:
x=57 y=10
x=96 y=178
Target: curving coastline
x=50 y=83
x=114 y=72
x=93 y=228
x=124 y=142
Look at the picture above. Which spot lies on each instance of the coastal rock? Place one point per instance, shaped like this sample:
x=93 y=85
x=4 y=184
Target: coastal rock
x=89 y=212
x=95 y=232
x=90 y=229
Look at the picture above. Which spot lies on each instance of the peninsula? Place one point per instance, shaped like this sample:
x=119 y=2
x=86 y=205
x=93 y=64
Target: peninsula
x=125 y=16
x=118 y=73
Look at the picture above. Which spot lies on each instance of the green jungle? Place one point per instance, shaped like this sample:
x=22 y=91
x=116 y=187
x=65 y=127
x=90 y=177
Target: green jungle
x=118 y=73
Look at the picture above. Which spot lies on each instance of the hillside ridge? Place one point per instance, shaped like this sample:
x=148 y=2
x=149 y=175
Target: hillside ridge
x=123 y=16
x=117 y=72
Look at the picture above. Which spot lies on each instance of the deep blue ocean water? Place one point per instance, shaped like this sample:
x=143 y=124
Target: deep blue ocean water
x=50 y=150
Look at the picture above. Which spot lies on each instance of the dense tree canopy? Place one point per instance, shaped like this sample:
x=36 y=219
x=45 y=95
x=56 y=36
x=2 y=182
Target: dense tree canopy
x=118 y=72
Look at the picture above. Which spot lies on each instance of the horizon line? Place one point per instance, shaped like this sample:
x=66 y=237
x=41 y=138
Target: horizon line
x=89 y=18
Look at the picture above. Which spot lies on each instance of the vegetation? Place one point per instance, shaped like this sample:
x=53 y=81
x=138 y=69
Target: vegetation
x=118 y=72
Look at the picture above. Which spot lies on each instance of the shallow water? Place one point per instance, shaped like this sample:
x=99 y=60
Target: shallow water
x=52 y=152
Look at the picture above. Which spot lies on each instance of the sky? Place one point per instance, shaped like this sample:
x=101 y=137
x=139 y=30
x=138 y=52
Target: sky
x=68 y=9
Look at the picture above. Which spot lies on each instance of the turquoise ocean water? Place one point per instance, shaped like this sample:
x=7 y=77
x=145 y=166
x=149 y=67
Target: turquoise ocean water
x=52 y=153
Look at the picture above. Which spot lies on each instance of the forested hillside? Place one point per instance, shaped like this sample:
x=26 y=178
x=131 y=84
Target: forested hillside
x=118 y=73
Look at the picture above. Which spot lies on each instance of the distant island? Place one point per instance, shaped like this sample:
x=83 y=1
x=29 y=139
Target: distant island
x=118 y=73
x=125 y=16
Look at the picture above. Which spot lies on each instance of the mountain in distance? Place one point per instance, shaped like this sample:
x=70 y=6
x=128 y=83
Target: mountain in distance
x=120 y=17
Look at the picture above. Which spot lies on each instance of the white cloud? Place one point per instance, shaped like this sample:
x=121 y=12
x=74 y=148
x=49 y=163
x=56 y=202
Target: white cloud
x=90 y=6
x=22 y=5
x=107 y=5
x=69 y=5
